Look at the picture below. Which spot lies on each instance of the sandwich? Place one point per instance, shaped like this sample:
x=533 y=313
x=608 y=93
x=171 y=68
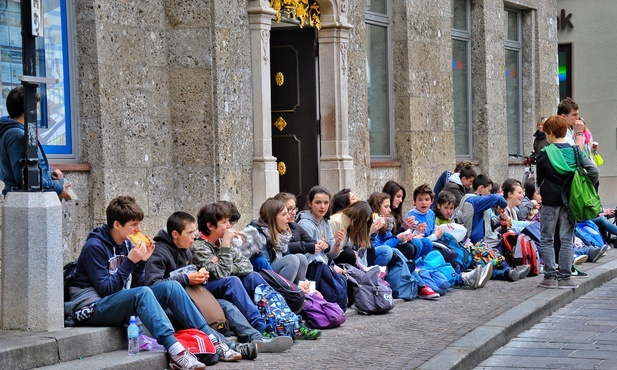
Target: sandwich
x=135 y=238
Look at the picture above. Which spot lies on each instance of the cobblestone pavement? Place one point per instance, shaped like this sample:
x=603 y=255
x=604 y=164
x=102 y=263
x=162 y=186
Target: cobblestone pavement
x=581 y=335
x=411 y=334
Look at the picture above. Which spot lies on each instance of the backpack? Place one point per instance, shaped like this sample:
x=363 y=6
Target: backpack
x=68 y=272
x=275 y=311
x=207 y=304
x=533 y=231
x=321 y=314
x=483 y=255
x=331 y=284
x=589 y=233
x=464 y=259
x=400 y=277
x=584 y=201
x=293 y=295
x=371 y=294
x=519 y=249
x=199 y=344
x=435 y=280
x=435 y=261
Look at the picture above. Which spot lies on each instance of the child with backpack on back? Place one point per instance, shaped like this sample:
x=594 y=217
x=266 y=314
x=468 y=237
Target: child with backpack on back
x=554 y=163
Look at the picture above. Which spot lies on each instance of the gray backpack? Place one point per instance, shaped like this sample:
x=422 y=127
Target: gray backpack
x=371 y=293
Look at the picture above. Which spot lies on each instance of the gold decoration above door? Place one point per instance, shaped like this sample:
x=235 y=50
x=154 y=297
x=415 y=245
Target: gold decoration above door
x=279 y=79
x=280 y=124
x=281 y=168
x=301 y=10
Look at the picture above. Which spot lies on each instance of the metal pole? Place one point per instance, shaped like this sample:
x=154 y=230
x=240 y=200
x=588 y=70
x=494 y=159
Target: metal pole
x=31 y=173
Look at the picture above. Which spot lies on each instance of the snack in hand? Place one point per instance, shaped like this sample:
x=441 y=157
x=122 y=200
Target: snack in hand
x=202 y=270
x=135 y=238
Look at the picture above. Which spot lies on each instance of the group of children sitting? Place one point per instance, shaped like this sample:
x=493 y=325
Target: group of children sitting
x=116 y=278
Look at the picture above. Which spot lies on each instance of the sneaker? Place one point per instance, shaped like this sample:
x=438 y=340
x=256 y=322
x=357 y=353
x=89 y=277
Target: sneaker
x=567 y=284
x=595 y=253
x=274 y=345
x=523 y=271
x=470 y=279
x=513 y=274
x=308 y=333
x=249 y=350
x=580 y=259
x=548 y=283
x=578 y=273
x=487 y=272
x=185 y=360
x=426 y=292
x=227 y=354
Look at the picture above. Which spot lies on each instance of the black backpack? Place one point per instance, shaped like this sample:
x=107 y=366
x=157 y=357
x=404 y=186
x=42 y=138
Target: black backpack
x=69 y=271
x=293 y=295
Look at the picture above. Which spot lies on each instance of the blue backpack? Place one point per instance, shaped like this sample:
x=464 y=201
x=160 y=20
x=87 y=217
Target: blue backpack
x=331 y=284
x=275 y=311
x=589 y=233
x=435 y=280
x=464 y=258
x=400 y=277
x=435 y=261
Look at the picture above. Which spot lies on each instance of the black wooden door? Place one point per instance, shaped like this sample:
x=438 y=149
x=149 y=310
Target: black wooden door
x=294 y=108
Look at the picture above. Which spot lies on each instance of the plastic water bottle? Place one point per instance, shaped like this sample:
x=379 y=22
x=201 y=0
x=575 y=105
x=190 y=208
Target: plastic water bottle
x=133 y=335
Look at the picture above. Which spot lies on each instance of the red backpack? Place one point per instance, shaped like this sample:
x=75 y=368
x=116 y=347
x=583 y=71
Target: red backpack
x=519 y=249
x=199 y=344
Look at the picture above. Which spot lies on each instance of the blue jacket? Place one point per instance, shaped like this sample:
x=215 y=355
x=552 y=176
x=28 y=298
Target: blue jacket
x=93 y=264
x=12 y=151
x=388 y=239
x=428 y=218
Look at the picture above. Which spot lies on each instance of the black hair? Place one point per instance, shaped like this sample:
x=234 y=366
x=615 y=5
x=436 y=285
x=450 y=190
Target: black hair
x=178 y=221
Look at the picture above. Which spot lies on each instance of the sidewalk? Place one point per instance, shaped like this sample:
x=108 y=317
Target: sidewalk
x=457 y=331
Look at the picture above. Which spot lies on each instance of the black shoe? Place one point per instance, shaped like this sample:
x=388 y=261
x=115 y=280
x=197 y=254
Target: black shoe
x=248 y=351
x=595 y=253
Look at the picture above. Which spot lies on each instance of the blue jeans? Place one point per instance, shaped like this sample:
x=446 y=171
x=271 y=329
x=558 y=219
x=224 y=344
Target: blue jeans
x=383 y=255
x=557 y=218
x=238 y=323
x=150 y=303
x=605 y=226
x=292 y=267
x=423 y=245
x=232 y=290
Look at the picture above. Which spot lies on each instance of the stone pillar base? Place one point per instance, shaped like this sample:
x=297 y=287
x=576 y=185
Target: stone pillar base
x=32 y=259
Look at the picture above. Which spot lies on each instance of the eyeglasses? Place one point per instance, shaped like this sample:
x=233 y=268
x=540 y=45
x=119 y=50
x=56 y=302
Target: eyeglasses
x=292 y=210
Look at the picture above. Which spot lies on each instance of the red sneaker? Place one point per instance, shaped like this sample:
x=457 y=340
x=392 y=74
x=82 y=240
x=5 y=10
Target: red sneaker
x=426 y=292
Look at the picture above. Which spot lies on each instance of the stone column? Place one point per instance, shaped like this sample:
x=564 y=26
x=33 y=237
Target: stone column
x=32 y=260
x=265 y=175
x=336 y=165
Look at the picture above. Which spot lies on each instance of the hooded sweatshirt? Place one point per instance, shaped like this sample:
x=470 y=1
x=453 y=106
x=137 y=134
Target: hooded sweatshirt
x=166 y=258
x=12 y=152
x=104 y=266
x=317 y=230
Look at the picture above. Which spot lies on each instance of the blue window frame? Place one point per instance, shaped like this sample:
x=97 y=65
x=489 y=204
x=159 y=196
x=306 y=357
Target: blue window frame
x=54 y=116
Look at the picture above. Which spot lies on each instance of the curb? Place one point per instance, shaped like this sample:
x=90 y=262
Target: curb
x=479 y=344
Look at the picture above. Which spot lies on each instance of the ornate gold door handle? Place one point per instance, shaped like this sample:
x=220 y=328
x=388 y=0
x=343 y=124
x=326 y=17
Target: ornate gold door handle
x=281 y=168
x=280 y=124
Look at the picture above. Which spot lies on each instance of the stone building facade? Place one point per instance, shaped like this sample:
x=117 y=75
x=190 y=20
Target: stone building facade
x=173 y=100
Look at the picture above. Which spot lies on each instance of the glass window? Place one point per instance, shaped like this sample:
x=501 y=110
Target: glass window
x=54 y=121
x=565 y=71
x=378 y=70
x=376 y=6
x=514 y=110
x=461 y=77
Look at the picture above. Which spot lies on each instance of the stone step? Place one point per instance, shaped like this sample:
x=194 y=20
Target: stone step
x=27 y=350
x=117 y=360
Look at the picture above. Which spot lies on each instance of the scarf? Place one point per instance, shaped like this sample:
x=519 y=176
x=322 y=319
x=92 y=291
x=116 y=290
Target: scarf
x=563 y=161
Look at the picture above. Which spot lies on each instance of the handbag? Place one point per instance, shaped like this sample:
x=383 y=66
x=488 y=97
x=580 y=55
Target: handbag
x=207 y=305
x=321 y=314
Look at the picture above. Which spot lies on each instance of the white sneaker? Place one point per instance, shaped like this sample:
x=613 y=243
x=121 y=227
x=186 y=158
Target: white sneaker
x=472 y=278
x=227 y=354
x=185 y=360
x=487 y=272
